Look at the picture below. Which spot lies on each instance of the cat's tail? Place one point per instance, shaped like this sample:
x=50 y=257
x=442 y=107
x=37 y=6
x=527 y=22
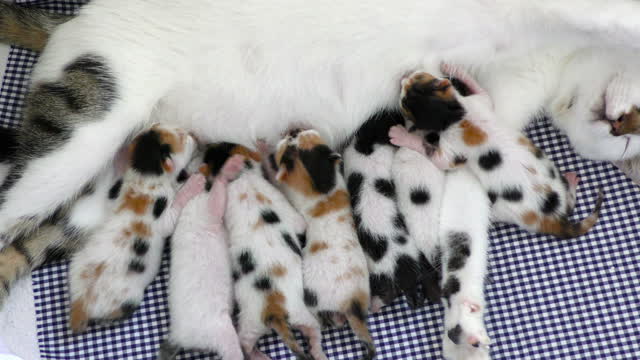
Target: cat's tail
x=27 y=26
x=356 y=313
x=276 y=316
x=565 y=229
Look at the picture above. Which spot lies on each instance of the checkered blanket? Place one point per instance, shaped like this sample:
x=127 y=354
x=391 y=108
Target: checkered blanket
x=547 y=298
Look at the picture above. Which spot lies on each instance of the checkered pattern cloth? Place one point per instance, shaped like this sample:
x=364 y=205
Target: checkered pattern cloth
x=547 y=298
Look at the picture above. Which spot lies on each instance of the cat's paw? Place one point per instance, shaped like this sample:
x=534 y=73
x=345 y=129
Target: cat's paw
x=193 y=187
x=451 y=351
x=464 y=331
x=232 y=167
x=398 y=135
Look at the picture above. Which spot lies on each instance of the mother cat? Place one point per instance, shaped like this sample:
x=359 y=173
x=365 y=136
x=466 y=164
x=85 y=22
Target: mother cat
x=239 y=71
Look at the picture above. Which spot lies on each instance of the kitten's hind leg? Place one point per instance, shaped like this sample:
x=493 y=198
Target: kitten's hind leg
x=72 y=127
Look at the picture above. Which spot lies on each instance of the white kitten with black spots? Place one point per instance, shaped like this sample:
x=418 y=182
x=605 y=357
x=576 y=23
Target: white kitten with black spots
x=266 y=258
x=393 y=259
x=108 y=276
x=464 y=227
x=334 y=266
x=200 y=286
x=526 y=188
x=419 y=186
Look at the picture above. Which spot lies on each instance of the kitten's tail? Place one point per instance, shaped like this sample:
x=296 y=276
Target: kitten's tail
x=565 y=229
x=356 y=313
x=28 y=27
x=275 y=316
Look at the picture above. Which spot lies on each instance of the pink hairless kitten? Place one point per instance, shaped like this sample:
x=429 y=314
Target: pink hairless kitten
x=524 y=186
x=200 y=287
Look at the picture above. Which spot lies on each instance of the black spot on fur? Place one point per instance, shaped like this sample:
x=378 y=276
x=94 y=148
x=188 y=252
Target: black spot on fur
x=354 y=185
x=262 y=283
x=552 y=172
x=48 y=126
x=430 y=280
x=460 y=86
x=182 y=176
x=302 y=239
x=7 y=287
x=538 y=153
x=66 y=94
x=399 y=223
x=54 y=254
x=400 y=239
x=115 y=190
x=8 y=144
x=358 y=310
x=235 y=313
x=565 y=182
x=159 y=206
x=430 y=111
x=454 y=334
x=310 y=298
x=432 y=138
x=149 y=154
x=326 y=319
x=420 y=196
x=383 y=287
x=459 y=160
x=140 y=246
x=376 y=130
x=247 y=263
x=128 y=309
x=18 y=245
x=490 y=160
x=248 y=164
x=207 y=185
x=320 y=163
x=288 y=158
x=385 y=187
x=291 y=244
x=216 y=155
x=272 y=162
x=460 y=250
x=492 y=196
x=451 y=287
x=136 y=266
x=270 y=217
x=407 y=277
x=512 y=193
x=235 y=276
x=374 y=246
x=551 y=203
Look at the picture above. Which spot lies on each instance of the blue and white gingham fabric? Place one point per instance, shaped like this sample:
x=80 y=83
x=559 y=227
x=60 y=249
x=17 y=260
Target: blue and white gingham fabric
x=547 y=298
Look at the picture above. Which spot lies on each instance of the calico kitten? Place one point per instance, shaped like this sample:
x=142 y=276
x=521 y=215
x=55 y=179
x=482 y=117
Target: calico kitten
x=464 y=266
x=524 y=186
x=334 y=266
x=266 y=257
x=419 y=186
x=108 y=276
x=393 y=259
x=200 y=286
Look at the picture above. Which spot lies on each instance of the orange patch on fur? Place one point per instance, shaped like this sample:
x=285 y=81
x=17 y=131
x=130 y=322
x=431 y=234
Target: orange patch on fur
x=244 y=151
x=137 y=203
x=524 y=141
x=78 y=317
x=244 y=196
x=540 y=188
x=530 y=218
x=471 y=134
x=353 y=272
x=278 y=270
x=141 y=229
x=204 y=170
x=532 y=170
x=174 y=140
x=258 y=224
x=262 y=198
x=337 y=201
x=274 y=308
x=549 y=225
x=318 y=246
x=309 y=140
x=299 y=179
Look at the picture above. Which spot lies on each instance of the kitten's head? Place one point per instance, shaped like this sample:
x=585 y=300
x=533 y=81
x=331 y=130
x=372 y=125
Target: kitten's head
x=215 y=155
x=161 y=150
x=627 y=124
x=430 y=103
x=305 y=163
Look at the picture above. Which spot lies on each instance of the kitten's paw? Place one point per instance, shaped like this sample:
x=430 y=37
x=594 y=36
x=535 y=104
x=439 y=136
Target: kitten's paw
x=193 y=187
x=464 y=326
x=451 y=351
x=232 y=167
x=398 y=135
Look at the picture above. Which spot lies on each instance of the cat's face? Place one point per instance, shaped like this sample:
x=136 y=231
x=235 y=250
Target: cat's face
x=305 y=163
x=162 y=149
x=429 y=103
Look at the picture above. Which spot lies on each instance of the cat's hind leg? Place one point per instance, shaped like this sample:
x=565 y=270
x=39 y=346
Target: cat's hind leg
x=73 y=124
x=464 y=244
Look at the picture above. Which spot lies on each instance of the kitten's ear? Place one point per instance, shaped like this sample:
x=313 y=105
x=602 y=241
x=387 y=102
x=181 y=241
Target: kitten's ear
x=168 y=165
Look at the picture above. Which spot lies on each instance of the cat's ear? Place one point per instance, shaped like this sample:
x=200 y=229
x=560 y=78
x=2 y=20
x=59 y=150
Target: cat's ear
x=168 y=165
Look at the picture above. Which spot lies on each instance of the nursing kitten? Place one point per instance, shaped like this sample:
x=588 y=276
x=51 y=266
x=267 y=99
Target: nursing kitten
x=200 y=284
x=334 y=266
x=108 y=276
x=464 y=238
x=419 y=186
x=526 y=188
x=266 y=258
x=393 y=259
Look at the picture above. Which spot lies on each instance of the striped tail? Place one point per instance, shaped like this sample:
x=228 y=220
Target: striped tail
x=356 y=313
x=276 y=316
x=564 y=229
